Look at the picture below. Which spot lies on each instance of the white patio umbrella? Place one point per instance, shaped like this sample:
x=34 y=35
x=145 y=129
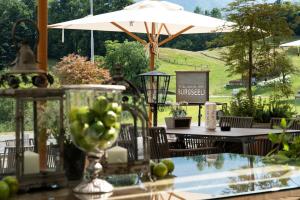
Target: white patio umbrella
x=292 y=44
x=153 y=18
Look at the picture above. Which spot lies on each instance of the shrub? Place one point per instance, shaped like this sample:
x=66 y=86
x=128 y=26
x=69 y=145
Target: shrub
x=262 y=110
x=75 y=69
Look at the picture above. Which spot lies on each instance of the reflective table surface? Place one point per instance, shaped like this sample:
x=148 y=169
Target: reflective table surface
x=198 y=177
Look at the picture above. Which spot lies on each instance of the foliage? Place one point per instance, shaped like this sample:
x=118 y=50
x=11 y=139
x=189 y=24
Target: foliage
x=130 y=56
x=75 y=69
x=178 y=109
x=262 y=110
x=258 y=30
x=79 y=41
x=10 y=12
x=286 y=148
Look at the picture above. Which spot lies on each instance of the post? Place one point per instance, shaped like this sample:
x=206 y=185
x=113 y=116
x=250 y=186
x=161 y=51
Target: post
x=155 y=107
x=43 y=64
x=92 y=34
x=43 y=43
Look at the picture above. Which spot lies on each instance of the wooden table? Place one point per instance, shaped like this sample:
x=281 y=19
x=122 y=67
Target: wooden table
x=242 y=135
x=216 y=176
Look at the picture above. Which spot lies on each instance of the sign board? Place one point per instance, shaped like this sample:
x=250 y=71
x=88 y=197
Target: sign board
x=192 y=86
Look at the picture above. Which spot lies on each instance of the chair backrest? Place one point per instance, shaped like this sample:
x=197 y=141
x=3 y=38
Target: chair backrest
x=127 y=139
x=237 y=122
x=295 y=125
x=52 y=153
x=260 y=147
x=27 y=141
x=159 y=147
x=8 y=164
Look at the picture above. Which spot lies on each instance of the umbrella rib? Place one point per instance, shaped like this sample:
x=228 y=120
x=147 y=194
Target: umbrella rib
x=129 y=33
x=174 y=36
x=148 y=34
x=158 y=33
x=169 y=33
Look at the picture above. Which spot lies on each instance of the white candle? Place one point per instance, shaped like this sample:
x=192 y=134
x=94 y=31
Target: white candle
x=210 y=115
x=31 y=162
x=117 y=154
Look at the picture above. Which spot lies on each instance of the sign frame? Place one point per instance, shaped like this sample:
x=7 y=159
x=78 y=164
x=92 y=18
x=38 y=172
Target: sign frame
x=206 y=74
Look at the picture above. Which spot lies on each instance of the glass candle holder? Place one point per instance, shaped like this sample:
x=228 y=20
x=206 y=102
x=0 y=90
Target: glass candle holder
x=94 y=122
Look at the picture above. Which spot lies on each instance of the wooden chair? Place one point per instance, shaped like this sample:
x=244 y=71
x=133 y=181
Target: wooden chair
x=159 y=147
x=8 y=163
x=237 y=122
x=275 y=122
x=260 y=147
x=127 y=139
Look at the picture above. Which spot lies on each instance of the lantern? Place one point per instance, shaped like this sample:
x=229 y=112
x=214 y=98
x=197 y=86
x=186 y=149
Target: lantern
x=34 y=161
x=155 y=87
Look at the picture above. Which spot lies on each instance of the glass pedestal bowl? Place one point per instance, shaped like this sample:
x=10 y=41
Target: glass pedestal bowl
x=94 y=121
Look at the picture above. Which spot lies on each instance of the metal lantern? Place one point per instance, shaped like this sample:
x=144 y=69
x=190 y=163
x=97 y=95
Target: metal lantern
x=31 y=155
x=155 y=86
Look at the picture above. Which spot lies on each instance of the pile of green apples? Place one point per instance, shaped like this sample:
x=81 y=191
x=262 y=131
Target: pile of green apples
x=162 y=169
x=96 y=127
x=9 y=186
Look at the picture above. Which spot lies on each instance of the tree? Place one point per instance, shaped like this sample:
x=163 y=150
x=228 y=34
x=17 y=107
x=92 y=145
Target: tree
x=216 y=12
x=258 y=30
x=198 y=10
x=10 y=12
x=79 y=41
x=131 y=56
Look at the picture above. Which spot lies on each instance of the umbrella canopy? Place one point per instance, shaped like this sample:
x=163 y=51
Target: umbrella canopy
x=168 y=19
x=292 y=44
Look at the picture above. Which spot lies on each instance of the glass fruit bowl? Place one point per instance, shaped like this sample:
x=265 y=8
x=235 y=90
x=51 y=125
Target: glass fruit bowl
x=94 y=121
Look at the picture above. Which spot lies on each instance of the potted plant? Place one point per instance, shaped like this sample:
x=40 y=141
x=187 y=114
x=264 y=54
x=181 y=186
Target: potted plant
x=179 y=118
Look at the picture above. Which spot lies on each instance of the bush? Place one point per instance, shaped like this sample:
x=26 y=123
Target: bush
x=130 y=56
x=262 y=110
x=75 y=69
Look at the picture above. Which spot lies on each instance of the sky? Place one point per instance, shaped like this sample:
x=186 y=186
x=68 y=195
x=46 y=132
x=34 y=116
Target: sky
x=206 y=4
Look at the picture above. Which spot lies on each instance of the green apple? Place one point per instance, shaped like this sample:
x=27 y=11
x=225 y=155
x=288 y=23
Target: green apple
x=110 y=118
x=110 y=135
x=116 y=108
x=84 y=115
x=76 y=129
x=100 y=105
x=96 y=130
x=4 y=190
x=73 y=114
x=160 y=170
x=13 y=184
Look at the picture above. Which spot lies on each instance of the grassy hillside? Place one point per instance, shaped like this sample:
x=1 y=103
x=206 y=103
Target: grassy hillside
x=171 y=60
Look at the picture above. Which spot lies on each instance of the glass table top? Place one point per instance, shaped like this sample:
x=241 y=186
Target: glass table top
x=223 y=175
x=196 y=178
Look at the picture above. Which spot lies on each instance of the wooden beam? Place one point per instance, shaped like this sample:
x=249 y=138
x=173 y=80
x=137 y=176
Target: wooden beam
x=166 y=28
x=158 y=33
x=148 y=33
x=129 y=33
x=42 y=54
x=174 y=36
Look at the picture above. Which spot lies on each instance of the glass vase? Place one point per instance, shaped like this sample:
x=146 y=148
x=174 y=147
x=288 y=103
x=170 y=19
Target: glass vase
x=94 y=124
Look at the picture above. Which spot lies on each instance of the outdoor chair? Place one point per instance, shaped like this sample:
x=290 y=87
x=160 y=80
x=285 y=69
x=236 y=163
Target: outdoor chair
x=260 y=147
x=8 y=161
x=295 y=125
x=52 y=153
x=159 y=147
x=236 y=122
